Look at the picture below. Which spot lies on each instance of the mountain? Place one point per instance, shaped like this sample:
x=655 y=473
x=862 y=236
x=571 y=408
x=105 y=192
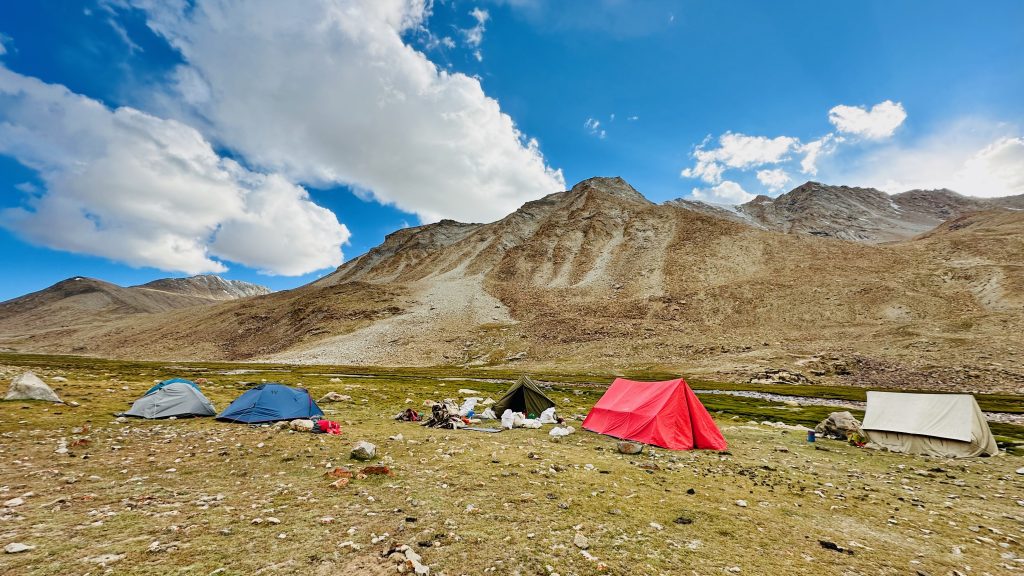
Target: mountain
x=598 y=277
x=856 y=214
x=207 y=286
x=81 y=304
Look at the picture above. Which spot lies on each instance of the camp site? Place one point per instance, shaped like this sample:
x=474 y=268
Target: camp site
x=132 y=467
x=511 y=288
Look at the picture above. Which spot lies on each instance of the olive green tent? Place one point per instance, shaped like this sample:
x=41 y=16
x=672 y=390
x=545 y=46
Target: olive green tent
x=524 y=396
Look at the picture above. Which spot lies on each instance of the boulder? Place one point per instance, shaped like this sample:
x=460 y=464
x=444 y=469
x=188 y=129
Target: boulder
x=28 y=386
x=17 y=548
x=334 y=397
x=630 y=447
x=301 y=425
x=838 y=425
x=779 y=376
x=364 y=450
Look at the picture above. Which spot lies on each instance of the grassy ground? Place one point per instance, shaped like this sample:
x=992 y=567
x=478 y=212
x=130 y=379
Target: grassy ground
x=179 y=497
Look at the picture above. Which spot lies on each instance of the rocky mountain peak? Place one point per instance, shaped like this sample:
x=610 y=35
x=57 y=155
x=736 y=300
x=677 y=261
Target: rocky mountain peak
x=613 y=186
x=207 y=286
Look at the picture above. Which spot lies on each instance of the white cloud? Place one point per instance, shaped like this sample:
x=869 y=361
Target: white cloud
x=633 y=118
x=815 y=149
x=132 y=187
x=881 y=121
x=329 y=93
x=475 y=35
x=738 y=151
x=593 y=127
x=774 y=179
x=971 y=157
x=728 y=192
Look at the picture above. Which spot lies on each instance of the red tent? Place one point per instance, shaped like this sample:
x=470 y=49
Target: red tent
x=666 y=414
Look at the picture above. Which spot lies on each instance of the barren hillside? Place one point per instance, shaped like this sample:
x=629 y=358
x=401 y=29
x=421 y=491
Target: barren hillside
x=600 y=277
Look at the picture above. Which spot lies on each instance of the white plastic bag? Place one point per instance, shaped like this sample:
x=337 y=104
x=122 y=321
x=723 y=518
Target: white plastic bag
x=558 y=431
x=548 y=416
x=508 y=419
x=468 y=406
x=518 y=418
x=531 y=423
x=488 y=415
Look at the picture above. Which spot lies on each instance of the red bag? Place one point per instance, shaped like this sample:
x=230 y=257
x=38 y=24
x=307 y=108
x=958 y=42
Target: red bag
x=328 y=427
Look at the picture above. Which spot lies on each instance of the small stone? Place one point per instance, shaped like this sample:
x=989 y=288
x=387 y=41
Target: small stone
x=339 y=472
x=1020 y=470
x=656 y=526
x=364 y=450
x=741 y=503
x=14 y=502
x=376 y=471
x=581 y=541
x=340 y=483
x=273 y=520
x=17 y=548
x=629 y=447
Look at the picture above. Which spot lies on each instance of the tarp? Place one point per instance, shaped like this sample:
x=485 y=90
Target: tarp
x=176 y=399
x=666 y=414
x=948 y=425
x=160 y=385
x=270 y=403
x=524 y=396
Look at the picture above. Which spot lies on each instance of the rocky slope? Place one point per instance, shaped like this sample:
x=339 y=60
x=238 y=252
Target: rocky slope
x=207 y=286
x=856 y=214
x=598 y=276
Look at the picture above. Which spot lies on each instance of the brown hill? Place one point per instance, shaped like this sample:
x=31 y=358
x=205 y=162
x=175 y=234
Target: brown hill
x=856 y=214
x=599 y=277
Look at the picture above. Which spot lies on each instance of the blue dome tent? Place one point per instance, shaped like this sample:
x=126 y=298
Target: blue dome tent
x=270 y=403
x=172 y=381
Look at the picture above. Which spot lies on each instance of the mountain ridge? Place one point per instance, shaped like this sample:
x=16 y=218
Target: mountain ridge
x=600 y=276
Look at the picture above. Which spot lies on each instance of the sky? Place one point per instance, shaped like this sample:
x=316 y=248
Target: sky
x=270 y=142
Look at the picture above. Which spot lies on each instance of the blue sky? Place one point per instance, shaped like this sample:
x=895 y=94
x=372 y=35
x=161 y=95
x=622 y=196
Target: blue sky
x=141 y=140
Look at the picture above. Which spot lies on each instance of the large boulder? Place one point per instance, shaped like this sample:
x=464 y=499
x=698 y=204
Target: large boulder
x=364 y=450
x=28 y=386
x=838 y=425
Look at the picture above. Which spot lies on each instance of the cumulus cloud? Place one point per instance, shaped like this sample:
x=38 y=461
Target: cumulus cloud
x=738 y=151
x=128 y=186
x=971 y=157
x=326 y=92
x=774 y=179
x=741 y=152
x=880 y=121
x=728 y=192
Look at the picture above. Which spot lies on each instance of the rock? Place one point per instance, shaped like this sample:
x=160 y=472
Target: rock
x=339 y=472
x=1020 y=470
x=397 y=437
x=834 y=547
x=335 y=397
x=781 y=449
x=683 y=520
x=28 y=386
x=630 y=447
x=581 y=541
x=301 y=425
x=17 y=548
x=779 y=376
x=364 y=450
x=339 y=483
x=838 y=425
x=516 y=357
x=741 y=503
x=59 y=379
x=468 y=392
x=376 y=471
x=13 y=502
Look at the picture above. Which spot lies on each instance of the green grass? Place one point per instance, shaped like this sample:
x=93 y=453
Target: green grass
x=530 y=493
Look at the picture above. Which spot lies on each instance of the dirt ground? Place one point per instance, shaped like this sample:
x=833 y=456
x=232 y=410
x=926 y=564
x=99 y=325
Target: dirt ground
x=183 y=496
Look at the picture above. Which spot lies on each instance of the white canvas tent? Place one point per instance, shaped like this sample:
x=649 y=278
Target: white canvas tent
x=946 y=425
